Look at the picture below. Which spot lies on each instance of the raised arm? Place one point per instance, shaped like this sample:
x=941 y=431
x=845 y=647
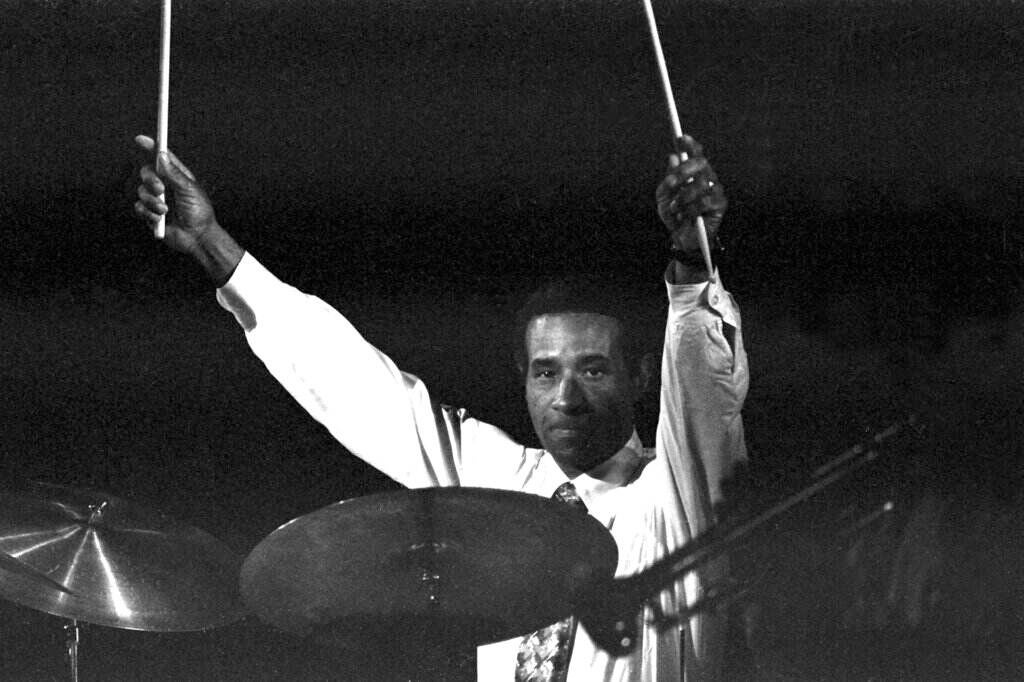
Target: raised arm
x=704 y=365
x=704 y=380
x=379 y=413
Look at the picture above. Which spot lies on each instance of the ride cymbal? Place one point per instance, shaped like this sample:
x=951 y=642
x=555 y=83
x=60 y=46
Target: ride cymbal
x=444 y=565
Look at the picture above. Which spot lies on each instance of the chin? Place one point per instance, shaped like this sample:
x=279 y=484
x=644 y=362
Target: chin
x=576 y=459
x=579 y=455
x=568 y=456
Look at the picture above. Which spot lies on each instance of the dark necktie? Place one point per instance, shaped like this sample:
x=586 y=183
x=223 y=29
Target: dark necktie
x=544 y=654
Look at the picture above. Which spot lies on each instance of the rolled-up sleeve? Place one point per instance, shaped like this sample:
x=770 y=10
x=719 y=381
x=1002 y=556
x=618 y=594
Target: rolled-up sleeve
x=704 y=384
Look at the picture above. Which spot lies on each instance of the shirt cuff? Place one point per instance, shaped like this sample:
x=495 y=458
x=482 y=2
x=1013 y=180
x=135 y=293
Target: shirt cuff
x=684 y=298
x=250 y=287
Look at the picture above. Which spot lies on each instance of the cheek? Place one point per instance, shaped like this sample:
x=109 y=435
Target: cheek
x=619 y=414
x=611 y=400
x=534 y=404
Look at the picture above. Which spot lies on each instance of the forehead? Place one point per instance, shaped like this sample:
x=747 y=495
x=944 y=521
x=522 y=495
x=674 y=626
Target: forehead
x=564 y=334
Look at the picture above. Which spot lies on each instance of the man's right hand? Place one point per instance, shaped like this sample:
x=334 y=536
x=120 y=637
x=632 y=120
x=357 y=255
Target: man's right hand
x=690 y=189
x=190 y=224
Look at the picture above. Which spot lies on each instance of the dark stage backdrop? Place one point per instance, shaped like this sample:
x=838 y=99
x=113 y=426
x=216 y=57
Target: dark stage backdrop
x=422 y=165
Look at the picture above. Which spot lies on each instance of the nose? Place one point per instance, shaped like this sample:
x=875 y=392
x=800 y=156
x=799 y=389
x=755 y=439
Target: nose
x=570 y=396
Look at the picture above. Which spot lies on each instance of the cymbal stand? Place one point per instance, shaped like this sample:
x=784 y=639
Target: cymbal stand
x=72 y=637
x=612 y=614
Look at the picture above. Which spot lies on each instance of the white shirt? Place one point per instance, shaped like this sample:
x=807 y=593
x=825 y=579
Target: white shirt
x=386 y=417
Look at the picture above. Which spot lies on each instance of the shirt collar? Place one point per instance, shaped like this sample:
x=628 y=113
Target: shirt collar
x=615 y=471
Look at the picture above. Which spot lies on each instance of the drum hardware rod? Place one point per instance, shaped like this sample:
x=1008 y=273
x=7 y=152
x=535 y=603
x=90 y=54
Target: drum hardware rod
x=73 y=636
x=677 y=130
x=612 y=615
x=857 y=449
x=714 y=598
x=719 y=538
x=865 y=521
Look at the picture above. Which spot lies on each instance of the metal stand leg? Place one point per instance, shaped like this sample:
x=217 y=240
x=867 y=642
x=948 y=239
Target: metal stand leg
x=72 y=631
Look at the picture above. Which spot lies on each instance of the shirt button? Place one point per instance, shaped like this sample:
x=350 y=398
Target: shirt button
x=714 y=300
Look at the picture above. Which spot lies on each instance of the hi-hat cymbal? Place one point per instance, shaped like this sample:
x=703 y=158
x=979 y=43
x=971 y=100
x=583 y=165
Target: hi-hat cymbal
x=119 y=564
x=453 y=565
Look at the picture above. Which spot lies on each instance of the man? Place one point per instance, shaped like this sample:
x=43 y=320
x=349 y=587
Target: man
x=581 y=381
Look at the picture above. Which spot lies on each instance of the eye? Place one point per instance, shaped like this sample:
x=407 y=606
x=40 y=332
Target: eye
x=544 y=374
x=595 y=369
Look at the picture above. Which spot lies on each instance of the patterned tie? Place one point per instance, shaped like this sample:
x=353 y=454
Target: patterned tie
x=544 y=654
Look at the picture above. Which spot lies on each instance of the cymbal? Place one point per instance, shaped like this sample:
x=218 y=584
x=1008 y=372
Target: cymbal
x=452 y=565
x=114 y=563
x=19 y=567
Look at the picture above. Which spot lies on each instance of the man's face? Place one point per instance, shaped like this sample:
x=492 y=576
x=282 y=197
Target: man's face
x=579 y=390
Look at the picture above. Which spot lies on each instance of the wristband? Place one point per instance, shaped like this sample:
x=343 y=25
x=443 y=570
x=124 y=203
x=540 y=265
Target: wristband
x=695 y=259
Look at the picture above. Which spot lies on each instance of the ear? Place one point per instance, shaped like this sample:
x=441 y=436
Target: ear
x=650 y=369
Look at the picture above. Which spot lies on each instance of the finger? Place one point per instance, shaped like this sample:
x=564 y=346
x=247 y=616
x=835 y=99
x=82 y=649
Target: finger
x=669 y=183
x=181 y=167
x=174 y=171
x=151 y=201
x=145 y=142
x=716 y=192
x=151 y=180
x=685 y=171
x=714 y=202
x=698 y=197
x=143 y=212
x=690 y=192
x=690 y=146
x=692 y=167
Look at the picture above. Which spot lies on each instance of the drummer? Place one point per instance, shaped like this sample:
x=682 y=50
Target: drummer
x=581 y=381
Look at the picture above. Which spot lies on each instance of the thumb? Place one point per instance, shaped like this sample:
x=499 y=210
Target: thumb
x=171 y=169
x=689 y=146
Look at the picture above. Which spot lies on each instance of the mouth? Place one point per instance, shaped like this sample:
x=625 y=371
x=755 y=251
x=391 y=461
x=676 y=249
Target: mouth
x=567 y=431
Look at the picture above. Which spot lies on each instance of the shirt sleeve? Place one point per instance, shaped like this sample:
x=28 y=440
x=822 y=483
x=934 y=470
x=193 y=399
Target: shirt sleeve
x=704 y=381
x=379 y=413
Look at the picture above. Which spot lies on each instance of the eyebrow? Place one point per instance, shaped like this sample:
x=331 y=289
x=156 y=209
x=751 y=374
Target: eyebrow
x=594 y=358
x=548 y=360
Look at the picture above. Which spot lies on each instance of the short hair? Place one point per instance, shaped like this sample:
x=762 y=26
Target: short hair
x=588 y=293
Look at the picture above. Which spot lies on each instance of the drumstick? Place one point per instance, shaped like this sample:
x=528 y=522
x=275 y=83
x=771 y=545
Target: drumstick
x=165 y=95
x=677 y=131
